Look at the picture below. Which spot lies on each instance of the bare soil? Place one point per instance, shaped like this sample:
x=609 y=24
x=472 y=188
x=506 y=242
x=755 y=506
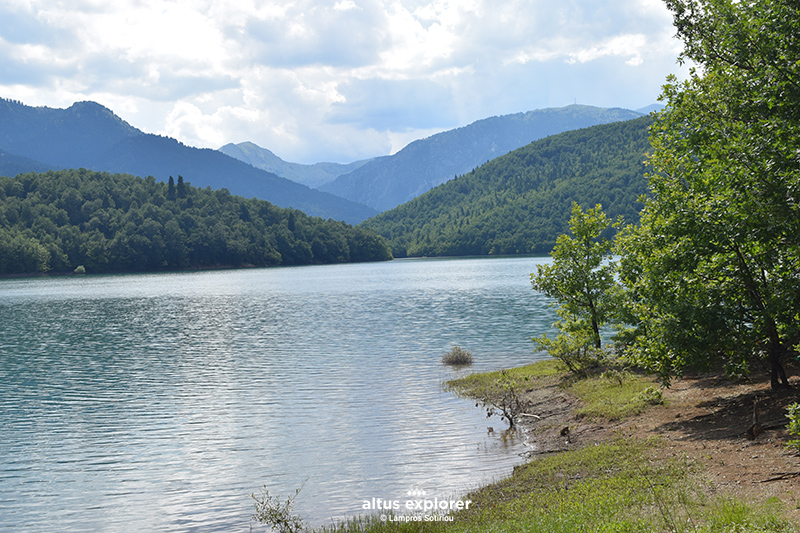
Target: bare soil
x=705 y=419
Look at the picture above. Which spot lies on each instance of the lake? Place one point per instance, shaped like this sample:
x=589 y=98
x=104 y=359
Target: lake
x=162 y=401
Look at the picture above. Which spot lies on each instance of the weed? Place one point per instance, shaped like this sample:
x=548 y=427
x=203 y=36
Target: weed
x=793 y=414
x=458 y=356
x=270 y=511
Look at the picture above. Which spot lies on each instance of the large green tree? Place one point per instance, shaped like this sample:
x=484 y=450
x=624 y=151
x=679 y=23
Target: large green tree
x=713 y=271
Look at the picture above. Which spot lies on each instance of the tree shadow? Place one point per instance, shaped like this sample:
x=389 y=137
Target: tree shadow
x=731 y=416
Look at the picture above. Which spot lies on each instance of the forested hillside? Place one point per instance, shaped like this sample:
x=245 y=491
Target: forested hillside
x=389 y=181
x=57 y=221
x=519 y=203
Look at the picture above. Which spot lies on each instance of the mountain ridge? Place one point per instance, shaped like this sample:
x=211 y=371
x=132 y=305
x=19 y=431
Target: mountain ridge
x=314 y=175
x=520 y=202
x=89 y=135
x=386 y=182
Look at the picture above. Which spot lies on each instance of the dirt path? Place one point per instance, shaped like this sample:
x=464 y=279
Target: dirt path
x=704 y=418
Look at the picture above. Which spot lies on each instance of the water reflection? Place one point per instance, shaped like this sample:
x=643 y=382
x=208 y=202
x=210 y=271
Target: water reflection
x=161 y=401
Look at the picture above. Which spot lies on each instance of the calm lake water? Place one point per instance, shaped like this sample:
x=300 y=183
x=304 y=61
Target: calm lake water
x=161 y=401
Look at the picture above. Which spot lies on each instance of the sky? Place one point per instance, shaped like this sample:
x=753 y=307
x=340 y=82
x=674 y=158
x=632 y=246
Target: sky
x=337 y=80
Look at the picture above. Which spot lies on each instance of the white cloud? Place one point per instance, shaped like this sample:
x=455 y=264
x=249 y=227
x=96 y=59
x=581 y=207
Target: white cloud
x=338 y=80
x=345 y=5
x=629 y=46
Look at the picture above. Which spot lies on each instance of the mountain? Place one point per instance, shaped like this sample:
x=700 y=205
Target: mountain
x=520 y=202
x=313 y=176
x=11 y=164
x=651 y=108
x=88 y=135
x=386 y=182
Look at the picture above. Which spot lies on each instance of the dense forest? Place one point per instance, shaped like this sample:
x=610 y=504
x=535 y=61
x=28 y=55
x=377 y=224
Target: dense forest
x=60 y=221
x=519 y=203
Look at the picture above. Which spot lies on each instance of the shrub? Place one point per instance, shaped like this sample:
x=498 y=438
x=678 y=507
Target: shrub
x=794 y=426
x=457 y=356
x=573 y=347
x=508 y=403
x=269 y=510
x=650 y=396
x=80 y=269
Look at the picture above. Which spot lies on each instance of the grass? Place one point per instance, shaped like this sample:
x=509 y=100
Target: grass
x=610 y=487
x=484 y=384
x=614 y=395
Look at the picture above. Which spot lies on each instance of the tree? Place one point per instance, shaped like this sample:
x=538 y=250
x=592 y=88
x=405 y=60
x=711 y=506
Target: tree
x=171 y=194
x=181 y=187
x=712 y=275
x=580 y=278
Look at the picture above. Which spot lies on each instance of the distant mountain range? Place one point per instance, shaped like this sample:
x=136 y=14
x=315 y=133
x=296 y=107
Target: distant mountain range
x=386 y=182
x=314 y=175
x=88 y=135
x=520 y=202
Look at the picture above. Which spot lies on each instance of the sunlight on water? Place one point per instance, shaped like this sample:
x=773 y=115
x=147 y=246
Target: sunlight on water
x=161 y=401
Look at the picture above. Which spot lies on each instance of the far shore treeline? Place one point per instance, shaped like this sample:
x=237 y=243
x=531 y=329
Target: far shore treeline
x=61 y=220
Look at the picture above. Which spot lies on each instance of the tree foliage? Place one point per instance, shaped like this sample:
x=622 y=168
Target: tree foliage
x=580 y=279
x=57 y=221
x=713 y=273
x=519 y=203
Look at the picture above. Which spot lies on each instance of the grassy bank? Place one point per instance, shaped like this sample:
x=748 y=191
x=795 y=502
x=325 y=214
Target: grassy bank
x=618 y=486
x=621 y=483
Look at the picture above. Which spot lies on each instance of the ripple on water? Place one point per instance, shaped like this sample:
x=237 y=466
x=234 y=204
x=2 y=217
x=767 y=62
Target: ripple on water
x=159 y=402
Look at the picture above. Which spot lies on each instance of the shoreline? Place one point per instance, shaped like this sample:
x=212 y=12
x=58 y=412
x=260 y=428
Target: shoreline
x=683 y=461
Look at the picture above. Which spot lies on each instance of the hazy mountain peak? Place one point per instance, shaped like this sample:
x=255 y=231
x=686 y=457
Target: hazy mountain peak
x=313 y=176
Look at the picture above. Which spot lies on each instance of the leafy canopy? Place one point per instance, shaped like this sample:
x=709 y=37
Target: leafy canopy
x=713 y=272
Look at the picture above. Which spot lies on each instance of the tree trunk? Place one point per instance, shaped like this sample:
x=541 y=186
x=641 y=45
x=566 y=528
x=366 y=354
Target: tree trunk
x=595 y=326
x=778 y=378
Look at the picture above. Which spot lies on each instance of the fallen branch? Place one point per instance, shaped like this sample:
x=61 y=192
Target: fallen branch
x=537 y=417
x=781 y=476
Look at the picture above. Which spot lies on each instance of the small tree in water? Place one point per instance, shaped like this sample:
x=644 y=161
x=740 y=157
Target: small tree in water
x=580 y=278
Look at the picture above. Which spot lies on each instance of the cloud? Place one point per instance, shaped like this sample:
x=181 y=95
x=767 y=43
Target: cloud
x=306 y=33
x=339 y=79
x=394 y=105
